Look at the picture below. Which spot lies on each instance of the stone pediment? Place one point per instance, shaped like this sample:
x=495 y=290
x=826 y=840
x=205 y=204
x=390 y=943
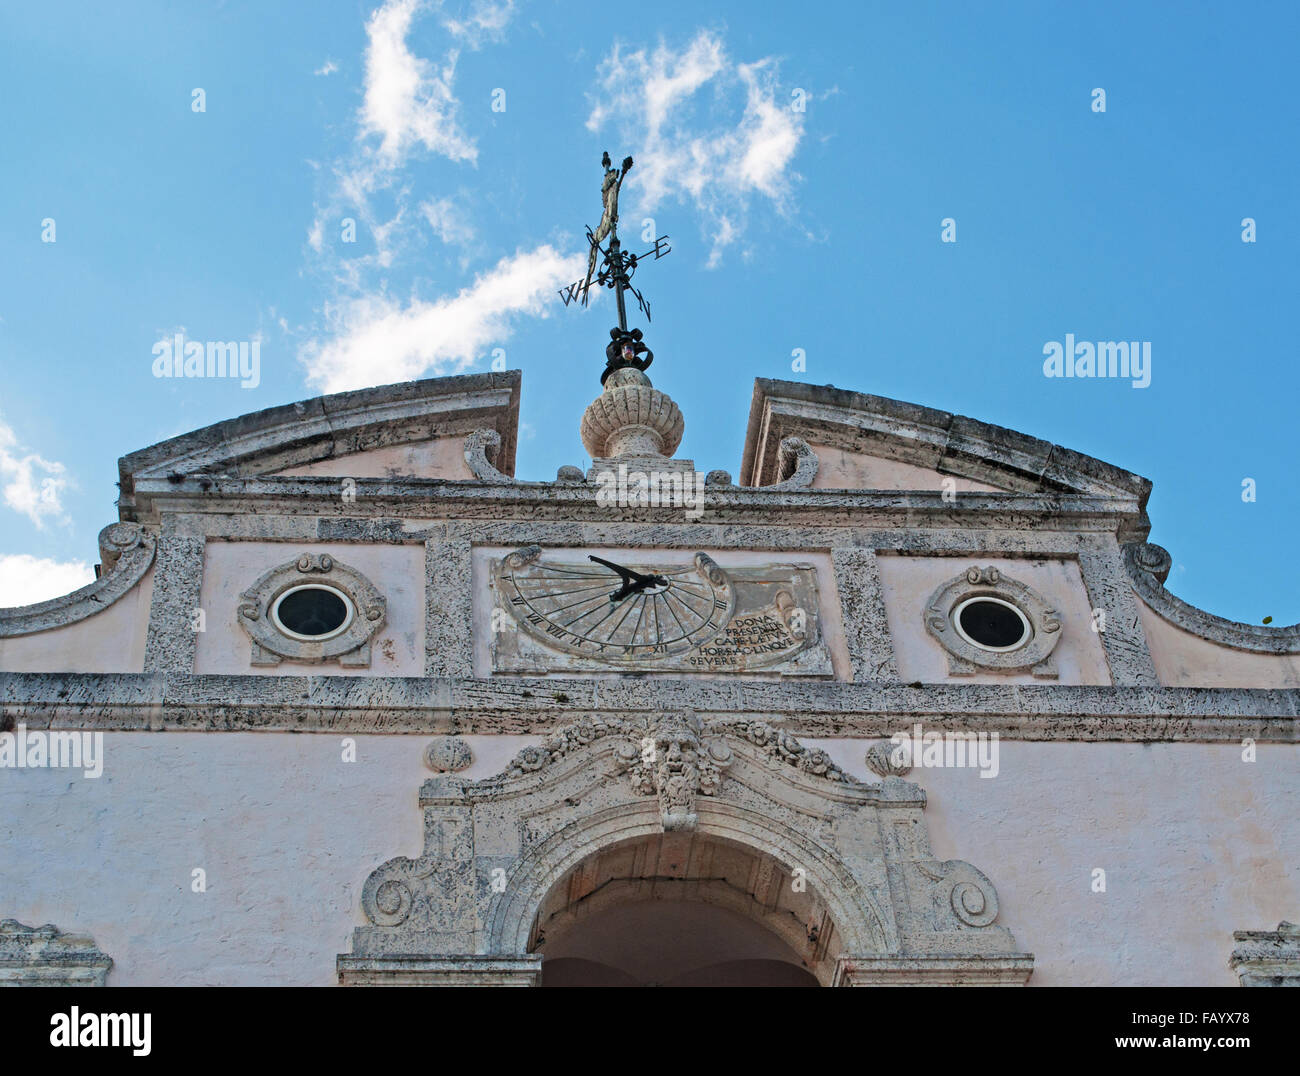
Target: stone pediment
x=919 y=437
x=294 y=437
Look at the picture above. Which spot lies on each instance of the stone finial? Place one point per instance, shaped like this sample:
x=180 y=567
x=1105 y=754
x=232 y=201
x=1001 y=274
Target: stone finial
x=631 y=418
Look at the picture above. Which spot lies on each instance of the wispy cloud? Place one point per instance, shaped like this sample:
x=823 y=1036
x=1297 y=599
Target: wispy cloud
x=707 y=130
x=486 y=21
x=448 y=221
x=375 y=340
x=410 y=111
x=25 y=579
x=409 y=100
x=327 y=68
x=28 y=483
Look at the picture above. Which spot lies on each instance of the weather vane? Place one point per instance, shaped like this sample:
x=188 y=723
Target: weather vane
x=609 y=267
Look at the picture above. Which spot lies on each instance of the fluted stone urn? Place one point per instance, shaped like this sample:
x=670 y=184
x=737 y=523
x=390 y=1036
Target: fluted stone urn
x=631 y=418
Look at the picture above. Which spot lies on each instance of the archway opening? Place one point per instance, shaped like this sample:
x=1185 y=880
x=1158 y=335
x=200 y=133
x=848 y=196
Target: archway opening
x=684 y=909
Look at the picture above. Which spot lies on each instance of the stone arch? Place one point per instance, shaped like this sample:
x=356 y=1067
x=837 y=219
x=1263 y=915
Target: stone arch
x=859 y=920
x=495 y=849
x=686 y=908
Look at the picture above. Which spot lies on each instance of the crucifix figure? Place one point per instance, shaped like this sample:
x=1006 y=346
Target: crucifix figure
x=609 y=267
x=609 y=189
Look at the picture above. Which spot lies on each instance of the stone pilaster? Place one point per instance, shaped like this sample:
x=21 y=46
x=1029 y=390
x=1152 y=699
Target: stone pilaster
x=177 y=580
x=1124 y=640
x=862 y=601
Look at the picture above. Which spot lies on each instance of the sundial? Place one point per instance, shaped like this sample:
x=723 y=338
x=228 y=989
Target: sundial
x=646 y=610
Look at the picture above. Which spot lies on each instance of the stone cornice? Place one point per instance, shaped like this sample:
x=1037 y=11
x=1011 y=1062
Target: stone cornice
x=1148 y=566
x=138 y=701
x=327 y=427
x=127 y=552
x=925 y=437
x=563 y=501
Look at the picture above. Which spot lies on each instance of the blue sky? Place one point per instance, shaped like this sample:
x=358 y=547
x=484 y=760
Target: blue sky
x=817 y=230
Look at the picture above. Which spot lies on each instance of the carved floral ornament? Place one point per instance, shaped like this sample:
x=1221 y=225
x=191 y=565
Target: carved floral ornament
x=676 y=759
x=1035 y=624
x=363 y=610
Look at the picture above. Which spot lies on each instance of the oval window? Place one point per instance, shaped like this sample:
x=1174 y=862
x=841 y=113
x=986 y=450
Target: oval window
x=312 y=612
x=992 y=624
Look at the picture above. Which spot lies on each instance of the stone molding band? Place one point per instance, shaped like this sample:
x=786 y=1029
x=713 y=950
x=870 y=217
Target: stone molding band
x=1148 y=566
x=1267 y=957
x=530 y=706
x=126 y=551
x=48 y=956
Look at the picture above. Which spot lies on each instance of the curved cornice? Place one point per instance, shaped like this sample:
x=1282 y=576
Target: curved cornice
x=925 y=437
x=126 y=550
x=1148 y=566
x=331 y=426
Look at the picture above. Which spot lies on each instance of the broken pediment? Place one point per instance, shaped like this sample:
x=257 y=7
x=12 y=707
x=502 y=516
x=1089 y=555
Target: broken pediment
x=411 y=429
x=871 y=442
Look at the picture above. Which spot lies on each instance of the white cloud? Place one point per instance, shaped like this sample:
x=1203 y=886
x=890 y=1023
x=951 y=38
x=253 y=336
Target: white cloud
x=29 y=484
x=377 y=340
x=409 y=100
x=327 y=68
x=25 y=580
x=696 y=142
x=485 y=20
x=448 y=223
x=371 y=335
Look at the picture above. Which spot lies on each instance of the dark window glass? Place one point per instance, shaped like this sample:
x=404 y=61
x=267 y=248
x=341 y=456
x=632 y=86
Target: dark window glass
x=312 y=611
x=991 y=624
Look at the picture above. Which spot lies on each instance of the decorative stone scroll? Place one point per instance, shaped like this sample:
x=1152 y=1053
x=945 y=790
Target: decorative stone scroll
x=465 y=908
x=47 y=956
x=1148 y=567
x=964 y=657
x=126 y=552
x=797 y=464
x=480 y=450
x=351 y=647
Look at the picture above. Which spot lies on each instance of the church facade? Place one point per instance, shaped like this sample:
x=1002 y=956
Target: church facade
x=905 y=701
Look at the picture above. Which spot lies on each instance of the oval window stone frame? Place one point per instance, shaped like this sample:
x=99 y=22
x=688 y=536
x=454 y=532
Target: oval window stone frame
x=967 y=658
x=350 y=646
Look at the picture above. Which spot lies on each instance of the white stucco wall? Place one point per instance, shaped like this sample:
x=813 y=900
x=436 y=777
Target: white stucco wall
x=1195 y=844
x=109 y=641
x=443 y=457
x=838 y=469
x=1186 y=660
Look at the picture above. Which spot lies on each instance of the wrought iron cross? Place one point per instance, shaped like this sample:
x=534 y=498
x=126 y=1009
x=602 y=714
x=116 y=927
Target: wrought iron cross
x=608 y=266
